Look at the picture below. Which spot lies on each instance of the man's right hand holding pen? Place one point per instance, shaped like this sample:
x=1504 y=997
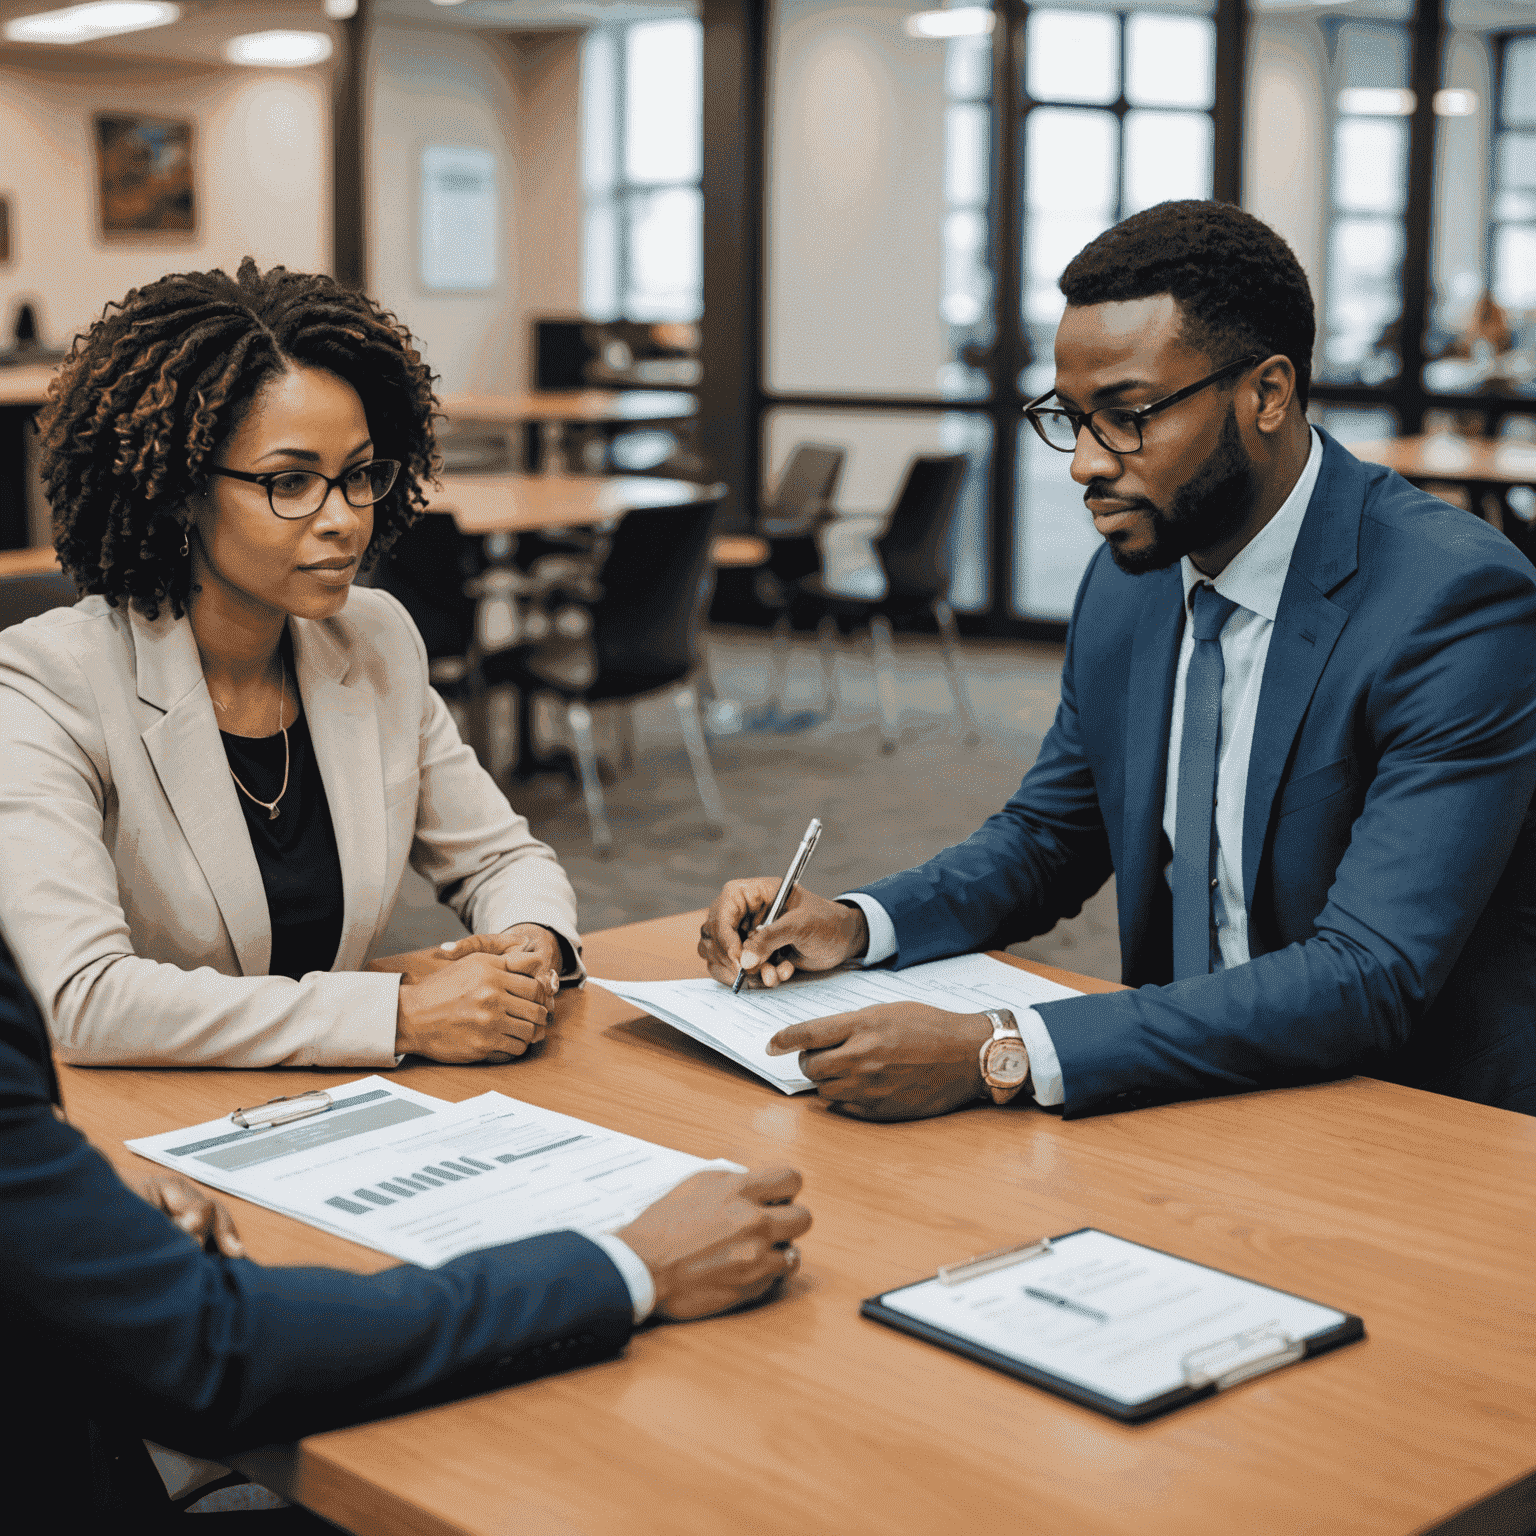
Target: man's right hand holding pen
x=811 y=934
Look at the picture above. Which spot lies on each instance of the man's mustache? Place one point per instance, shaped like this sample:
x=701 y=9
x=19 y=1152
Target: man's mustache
x=1104 y=492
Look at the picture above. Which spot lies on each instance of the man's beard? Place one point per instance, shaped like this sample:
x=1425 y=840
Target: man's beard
x=1207 y=509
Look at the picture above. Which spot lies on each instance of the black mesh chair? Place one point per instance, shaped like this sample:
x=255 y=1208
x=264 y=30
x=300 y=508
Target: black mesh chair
x=427 y=570
x=646 y=623
x=26 y=596
x=802 y=506
x=914 y=560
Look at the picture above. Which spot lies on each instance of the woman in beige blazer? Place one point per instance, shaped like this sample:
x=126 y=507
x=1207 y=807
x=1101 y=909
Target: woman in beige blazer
x=217 y=765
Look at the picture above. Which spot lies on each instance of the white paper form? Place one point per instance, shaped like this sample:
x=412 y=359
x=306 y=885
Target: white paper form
x=741 y=1026
x=1110 y=1315
x=425 y=1180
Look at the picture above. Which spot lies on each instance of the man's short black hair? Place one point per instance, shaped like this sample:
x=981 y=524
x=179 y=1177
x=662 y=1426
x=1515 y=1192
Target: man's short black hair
x=1237 y=282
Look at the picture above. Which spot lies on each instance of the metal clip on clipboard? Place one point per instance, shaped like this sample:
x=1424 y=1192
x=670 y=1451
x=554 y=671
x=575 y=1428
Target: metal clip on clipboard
x=282 y=1110
x=985 y=1263
x=1245 y=1355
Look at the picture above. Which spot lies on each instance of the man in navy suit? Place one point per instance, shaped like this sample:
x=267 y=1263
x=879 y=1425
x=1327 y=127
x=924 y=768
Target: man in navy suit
x=121 y=1326
x=1297 y=723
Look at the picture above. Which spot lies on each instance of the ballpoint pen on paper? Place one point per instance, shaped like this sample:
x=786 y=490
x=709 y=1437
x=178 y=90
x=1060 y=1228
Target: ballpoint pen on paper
x=1067 y=1304
x=791 y=875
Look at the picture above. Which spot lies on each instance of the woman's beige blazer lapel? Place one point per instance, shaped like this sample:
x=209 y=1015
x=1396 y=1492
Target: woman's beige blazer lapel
x=344 y=728
x=189 y=760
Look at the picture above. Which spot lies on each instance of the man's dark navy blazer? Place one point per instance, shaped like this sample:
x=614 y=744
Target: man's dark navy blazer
x=1389 y=844
x=120 y=1329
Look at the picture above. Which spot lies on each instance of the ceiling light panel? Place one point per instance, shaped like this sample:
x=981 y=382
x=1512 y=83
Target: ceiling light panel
x=86 y=23
x=279 y=50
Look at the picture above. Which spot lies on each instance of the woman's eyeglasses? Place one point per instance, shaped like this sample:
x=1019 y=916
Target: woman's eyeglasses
x=1115 y=427
x=295 y=493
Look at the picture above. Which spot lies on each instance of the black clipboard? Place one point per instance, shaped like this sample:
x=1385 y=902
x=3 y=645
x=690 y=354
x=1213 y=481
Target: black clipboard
x=1343 y=1332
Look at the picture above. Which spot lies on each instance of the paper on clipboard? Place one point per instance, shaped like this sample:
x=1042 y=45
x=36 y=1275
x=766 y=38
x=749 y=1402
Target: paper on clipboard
x=1123 y=1322
x=740 y=1026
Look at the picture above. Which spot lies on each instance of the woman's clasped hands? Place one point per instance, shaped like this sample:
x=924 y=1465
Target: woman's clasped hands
x=482 y=998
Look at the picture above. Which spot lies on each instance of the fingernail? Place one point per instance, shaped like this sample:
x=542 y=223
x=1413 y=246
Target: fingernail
x=748 y=959
x=449 y=944
x=237 y=1250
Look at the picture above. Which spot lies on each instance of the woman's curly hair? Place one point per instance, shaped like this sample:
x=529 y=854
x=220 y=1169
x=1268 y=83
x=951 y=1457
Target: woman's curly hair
x=152 y=389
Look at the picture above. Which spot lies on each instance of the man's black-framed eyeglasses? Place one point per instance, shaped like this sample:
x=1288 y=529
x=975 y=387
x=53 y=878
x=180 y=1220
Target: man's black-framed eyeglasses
x=295 y=493
x=1115 y=427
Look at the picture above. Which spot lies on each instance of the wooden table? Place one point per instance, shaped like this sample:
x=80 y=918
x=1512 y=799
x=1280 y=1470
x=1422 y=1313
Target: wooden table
x=573 y=407
x=37 y=560
x=1485 y=468
x=549 y=414
x=800 y=1417
x=503 y=502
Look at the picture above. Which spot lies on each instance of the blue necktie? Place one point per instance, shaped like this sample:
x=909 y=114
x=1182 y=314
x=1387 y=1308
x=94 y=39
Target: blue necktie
x=1194 y=851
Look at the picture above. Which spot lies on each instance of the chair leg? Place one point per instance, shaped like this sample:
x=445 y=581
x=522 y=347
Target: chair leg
x=885 y=680
x=826 y=648
x=579 y=719
x=687 y=705
x=778 y=668
x=627 y=737
x=949 y=649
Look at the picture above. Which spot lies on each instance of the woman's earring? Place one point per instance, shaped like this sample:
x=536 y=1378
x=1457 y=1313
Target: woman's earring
x=183 y=543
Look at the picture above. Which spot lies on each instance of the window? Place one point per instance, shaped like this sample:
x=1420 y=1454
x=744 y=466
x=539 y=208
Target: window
x=642 y=153
x=1512 y=229
x=1118 y=116
x=1368 y=196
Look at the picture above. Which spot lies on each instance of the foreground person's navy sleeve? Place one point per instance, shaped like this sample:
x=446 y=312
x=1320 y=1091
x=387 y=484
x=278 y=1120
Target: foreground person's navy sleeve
x=124 y=1319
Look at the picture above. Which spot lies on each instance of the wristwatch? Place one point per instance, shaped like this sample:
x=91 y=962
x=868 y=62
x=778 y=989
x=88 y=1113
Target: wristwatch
x=1004 y=1061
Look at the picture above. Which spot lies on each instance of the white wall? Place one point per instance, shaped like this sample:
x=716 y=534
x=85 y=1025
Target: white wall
x=1285 y=152
x=261 y=147
x=516 y=97
x=856 y=201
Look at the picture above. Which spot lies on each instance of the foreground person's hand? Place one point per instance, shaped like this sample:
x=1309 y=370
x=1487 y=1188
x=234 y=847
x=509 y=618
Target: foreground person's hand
x=897 y=1061
x=811 y=934
x=719 y=1239
x=196 y=1212
x=480 y=1008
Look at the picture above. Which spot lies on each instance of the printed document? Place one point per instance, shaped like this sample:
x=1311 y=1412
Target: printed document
x=426 y=1180
x=1127 y=1322
x=741 y=1026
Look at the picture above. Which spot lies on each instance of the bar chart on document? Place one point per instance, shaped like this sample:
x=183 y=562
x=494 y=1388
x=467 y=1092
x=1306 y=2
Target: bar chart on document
x=426 y=1180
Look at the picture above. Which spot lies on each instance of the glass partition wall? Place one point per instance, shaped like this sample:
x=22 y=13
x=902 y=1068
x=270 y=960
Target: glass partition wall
x=1427 y=313
x=928 y=175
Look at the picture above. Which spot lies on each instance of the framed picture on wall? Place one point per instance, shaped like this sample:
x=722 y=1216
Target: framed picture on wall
x=144 y=166
x=458 y=218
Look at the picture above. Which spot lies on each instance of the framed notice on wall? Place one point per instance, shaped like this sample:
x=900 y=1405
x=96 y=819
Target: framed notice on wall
x=458 y=218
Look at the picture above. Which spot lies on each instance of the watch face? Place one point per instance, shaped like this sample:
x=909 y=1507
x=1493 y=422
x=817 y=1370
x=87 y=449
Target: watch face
x=1007 y=1064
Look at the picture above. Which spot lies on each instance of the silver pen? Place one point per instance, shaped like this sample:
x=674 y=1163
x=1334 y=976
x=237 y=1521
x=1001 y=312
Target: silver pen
x=791 y=875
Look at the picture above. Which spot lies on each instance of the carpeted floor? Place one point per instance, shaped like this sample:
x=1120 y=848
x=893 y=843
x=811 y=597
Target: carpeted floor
x=881 y=813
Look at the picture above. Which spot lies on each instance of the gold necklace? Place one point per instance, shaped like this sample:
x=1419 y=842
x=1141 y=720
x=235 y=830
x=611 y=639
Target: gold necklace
x=270 y=806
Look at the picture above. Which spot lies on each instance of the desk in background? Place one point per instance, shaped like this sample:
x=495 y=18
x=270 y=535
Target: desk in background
x=802 y=1418
x=548 y=415
x=1486 y=469
x=503 y=502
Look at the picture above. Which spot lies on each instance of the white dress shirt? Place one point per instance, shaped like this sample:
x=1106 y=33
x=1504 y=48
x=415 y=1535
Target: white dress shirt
x=1253 y=580
x=642 y=1289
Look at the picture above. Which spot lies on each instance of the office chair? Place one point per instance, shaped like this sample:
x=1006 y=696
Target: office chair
x=655 y=586
x=802 y=506
x=914 y=558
